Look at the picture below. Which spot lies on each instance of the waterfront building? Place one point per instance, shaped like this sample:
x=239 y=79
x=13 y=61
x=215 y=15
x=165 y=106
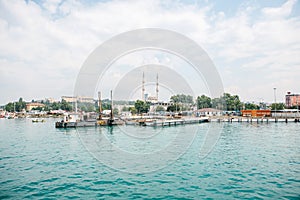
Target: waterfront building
x=68 y=99
x=208 y=112
x=256 y=113
x=154 y=105
x=30 y=106
x=286 y=113
x=292 y=100
x=152 y=99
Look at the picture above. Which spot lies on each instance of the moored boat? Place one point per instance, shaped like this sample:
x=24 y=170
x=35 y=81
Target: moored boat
x=36 y=120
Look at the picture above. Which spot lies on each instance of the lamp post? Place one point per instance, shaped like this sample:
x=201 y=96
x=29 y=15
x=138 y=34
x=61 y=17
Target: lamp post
x=297 y=107
x=275 y=102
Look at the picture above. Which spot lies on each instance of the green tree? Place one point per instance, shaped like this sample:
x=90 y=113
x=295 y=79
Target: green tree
x=204 y=102
x=15 y=106
x=46 y=108
x=115 y=111
x=184 y=107
x=55 y=106
x=238 y=105
x=160 y=109
x=64 y=105
x=218 y=103
x=133 y=110
x=141 y=106
x=106 y=104
x=251 y=106
x=9 y=107
x=87 y=107
x=227 y=102
x=175 y=99
x=20 y=105
x=47 y=102
x=278 y=106
x=125 y=109
x=182 y=98
x=173 y=108
x=232 y=102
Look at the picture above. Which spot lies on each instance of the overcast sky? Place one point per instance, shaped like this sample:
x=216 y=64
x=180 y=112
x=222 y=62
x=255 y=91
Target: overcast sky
x=255 y=45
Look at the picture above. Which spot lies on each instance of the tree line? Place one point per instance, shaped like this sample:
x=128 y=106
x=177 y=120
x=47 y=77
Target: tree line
x=232 y=103
x=16 y=106
x=180 y=102
x=20 y=106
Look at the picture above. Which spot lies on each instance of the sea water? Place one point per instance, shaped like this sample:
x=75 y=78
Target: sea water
x=246 y=161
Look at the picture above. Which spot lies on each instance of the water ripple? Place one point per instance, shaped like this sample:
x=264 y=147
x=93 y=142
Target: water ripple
x=41 y=162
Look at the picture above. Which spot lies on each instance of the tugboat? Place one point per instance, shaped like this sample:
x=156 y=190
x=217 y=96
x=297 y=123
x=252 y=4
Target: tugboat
x=36 y=120
x=69 y=121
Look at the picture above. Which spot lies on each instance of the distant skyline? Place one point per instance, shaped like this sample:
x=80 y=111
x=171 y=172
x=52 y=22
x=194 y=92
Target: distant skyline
x=255 y=45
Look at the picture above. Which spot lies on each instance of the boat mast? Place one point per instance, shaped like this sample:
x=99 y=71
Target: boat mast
x=111 y=118
x=111 y=108
x=100 y=105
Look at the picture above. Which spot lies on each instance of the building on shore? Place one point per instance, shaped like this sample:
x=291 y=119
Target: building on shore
x=151 y=99
x=208 y=112
x=286 y=113
x=256 y=113
x=30 y=106
x=80 y=99
x=292 y=100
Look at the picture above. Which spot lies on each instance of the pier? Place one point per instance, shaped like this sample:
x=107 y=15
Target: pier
x=155 y=122
x=253 y=120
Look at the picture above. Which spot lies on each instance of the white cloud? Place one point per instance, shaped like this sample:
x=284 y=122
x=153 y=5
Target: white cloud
x=43 y=46
x=280 y=12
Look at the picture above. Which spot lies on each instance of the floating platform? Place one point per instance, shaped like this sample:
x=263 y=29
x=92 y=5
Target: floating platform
x=87 y=124
x=254 y=120
x=74 y=124
x=170 y=122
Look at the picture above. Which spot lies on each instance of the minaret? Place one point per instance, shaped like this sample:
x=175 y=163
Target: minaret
x=157 y=87
x=143 y=87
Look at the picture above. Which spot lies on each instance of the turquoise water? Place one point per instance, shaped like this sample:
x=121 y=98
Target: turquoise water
x=258 y=161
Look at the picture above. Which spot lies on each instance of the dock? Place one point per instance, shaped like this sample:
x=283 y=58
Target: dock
x=167 y=122
x=254 y=120
x=94 y=123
